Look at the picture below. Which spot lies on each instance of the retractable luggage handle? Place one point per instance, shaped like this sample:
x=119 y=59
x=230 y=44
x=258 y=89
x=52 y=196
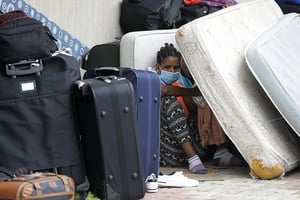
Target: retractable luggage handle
x=24 y=67
x=107 y=79
x=108 y=71
x=107 y=74
x=81 y=84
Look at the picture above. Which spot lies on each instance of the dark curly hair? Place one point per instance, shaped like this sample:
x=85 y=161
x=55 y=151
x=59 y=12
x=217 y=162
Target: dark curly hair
x=166 y=51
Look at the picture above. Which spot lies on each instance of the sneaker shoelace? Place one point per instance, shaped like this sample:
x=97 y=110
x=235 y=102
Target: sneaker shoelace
x=151 y=178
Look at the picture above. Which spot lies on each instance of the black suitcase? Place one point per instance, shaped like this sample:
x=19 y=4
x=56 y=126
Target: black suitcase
x=289 y=8
x=107 y=54
x=37 y=119
x=107 y=120
x=146 y=85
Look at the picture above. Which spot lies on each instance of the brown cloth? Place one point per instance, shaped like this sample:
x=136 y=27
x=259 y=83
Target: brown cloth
x=209 y=128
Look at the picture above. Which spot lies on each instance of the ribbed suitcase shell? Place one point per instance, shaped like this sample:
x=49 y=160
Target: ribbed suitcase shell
x=107 y=120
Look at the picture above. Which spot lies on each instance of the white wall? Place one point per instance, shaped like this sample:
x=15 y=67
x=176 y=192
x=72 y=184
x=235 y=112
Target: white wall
x=90 y=21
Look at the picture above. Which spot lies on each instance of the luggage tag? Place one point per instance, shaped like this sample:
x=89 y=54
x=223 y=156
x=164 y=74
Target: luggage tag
x=23 y=68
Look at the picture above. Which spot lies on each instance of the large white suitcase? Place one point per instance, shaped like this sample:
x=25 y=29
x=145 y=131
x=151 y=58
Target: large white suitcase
x=213 y=47
x=273 y=58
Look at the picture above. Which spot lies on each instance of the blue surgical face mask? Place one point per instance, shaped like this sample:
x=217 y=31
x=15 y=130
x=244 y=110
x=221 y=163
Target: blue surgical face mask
x=186 y=82
x=169 y=77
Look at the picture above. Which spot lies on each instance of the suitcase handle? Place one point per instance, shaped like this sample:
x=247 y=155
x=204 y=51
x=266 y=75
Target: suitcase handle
x=106 y=79
x=24 y=67
x=107 y=71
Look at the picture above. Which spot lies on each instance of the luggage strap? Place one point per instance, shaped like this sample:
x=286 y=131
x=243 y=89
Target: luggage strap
x=6 y=174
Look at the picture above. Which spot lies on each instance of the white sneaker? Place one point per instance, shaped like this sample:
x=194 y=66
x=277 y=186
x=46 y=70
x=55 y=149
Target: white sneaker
x=176 y=180
x=151 y=183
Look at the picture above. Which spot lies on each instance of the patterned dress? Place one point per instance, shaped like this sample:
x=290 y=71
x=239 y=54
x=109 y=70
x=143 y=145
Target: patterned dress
x=175 y=130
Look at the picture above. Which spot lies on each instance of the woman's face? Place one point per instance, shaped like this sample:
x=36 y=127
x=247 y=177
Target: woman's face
x=170 y=64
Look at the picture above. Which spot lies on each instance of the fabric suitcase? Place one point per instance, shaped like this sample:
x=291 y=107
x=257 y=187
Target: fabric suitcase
x=273 y=59
x=107 y=54
x=213 y=48
x=107 y=120
x=37 y=120
x=146 y=85
x=38 y=186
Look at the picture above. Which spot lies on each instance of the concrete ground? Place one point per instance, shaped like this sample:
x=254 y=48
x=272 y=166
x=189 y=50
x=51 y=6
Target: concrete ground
x=237 y=184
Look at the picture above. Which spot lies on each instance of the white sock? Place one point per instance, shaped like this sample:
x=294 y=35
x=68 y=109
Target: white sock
x=224 y=157
x=196 y=166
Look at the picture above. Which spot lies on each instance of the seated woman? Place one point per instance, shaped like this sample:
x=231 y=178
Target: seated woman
x=180 y=143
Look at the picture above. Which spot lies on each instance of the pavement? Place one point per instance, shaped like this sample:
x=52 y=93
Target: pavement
x=236 y=184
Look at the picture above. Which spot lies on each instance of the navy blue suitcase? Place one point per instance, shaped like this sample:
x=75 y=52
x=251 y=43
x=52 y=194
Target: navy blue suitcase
x=147 y=88
x=147 y=96
x=107 y=122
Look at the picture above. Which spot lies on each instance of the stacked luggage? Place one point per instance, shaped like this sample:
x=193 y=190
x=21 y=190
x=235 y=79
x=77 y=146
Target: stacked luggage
x=144 y=86
x=94 y=131
x=38 y=123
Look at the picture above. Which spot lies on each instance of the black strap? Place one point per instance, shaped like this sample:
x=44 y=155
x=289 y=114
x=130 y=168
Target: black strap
x=6 y=174
x=171 y=12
